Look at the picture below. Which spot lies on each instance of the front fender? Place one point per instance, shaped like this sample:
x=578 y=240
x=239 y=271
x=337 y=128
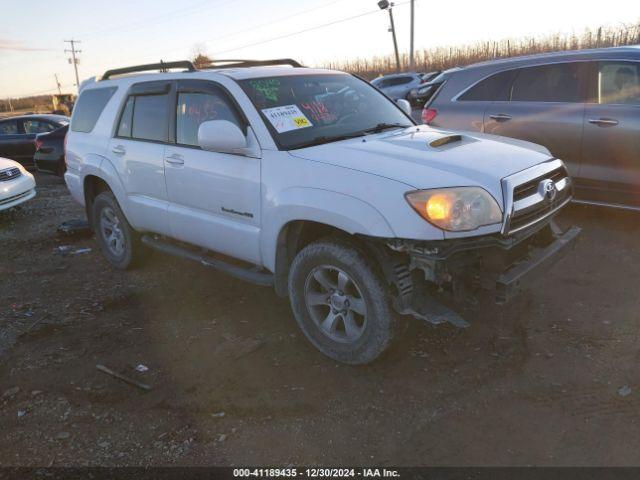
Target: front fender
x=338 y=210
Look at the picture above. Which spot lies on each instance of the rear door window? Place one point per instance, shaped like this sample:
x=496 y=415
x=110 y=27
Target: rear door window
x=562 y=82
x=618 y=83
x=89 y=107
x=150 y=118
x=37 y=126
x=495 y=88
x=9 y=127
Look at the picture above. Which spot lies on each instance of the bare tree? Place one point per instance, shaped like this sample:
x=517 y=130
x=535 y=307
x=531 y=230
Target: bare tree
x=199 y=56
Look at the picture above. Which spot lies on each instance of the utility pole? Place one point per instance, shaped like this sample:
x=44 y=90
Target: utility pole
x=73 y=58
x=385 y=5
x=58 y=83
x=411 y=61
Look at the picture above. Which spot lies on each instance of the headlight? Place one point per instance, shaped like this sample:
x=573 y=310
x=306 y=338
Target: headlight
x=456 y=209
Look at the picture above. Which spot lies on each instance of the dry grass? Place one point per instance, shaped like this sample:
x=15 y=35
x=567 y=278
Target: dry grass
x=441 y=58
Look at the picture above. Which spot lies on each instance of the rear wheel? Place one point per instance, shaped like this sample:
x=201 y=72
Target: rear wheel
x=340 y=302
x=120 y=244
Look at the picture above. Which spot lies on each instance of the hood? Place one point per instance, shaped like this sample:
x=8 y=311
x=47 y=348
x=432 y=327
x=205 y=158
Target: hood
x=410 y=156
x=6 y=163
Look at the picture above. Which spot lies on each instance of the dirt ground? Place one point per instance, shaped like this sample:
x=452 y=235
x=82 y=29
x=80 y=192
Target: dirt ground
x=551 y=379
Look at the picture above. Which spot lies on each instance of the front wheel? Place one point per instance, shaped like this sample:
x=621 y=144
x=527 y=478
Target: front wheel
x=340 y=302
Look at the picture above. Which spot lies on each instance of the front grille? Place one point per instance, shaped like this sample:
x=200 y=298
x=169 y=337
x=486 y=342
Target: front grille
x=531 y=187
x=526 y=202
x=523 y=218
x=9 y=174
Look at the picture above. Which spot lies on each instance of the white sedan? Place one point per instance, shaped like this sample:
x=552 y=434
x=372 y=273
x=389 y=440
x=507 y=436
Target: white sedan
x=16 y=184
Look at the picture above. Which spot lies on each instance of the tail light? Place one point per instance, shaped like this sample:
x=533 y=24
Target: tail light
x=64 y=149
x=428 y=114
x=38 y=144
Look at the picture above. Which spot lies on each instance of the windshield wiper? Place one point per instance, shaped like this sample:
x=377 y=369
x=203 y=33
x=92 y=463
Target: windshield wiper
x=328 y=139
x=336 y=138
x=385 y=126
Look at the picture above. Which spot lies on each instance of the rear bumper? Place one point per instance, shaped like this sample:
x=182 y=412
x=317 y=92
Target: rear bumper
x=74 y=184
x=28 y=163
x=538 y=262
x=49 y=164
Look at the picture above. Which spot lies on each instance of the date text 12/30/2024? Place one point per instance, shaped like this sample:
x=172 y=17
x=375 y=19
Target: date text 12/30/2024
x=315 y=473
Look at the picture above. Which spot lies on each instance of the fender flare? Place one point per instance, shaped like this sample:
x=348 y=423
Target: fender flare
x=344 y=212
x=102 y=168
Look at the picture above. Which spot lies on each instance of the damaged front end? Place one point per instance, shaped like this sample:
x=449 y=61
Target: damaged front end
x=432 y=278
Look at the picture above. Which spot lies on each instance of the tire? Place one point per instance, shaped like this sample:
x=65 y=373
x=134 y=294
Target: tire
x=355 y=323
x=120 y=244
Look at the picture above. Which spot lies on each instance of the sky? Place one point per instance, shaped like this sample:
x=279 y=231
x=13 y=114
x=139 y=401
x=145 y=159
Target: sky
x=120 y=33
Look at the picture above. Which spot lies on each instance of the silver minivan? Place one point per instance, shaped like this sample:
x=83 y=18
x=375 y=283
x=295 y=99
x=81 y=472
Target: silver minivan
x=584 y=106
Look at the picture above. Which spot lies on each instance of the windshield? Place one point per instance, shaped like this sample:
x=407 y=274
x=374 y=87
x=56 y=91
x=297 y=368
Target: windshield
x=306 y=110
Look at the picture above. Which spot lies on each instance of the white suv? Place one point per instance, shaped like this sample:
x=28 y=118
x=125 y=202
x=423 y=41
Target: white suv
x=320 y=185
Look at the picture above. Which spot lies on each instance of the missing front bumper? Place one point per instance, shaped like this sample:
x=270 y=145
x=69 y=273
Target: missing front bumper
x=433 y=281
x=526 y=271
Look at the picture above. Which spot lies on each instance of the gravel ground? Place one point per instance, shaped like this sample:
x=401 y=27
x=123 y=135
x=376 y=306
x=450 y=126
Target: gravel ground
x=550 y=379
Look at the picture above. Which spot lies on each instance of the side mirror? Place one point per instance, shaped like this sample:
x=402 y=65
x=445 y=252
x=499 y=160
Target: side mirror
x=404 y=105
x=221 y=136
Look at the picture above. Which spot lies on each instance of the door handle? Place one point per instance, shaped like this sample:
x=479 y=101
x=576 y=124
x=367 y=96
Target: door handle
x=119 y=150
x=500 y=117
x=604 y=122
x=175 y=159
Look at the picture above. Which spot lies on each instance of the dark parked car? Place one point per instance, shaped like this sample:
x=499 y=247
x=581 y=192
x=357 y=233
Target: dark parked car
x=584 y=106
x=418 y=96
x=18 y=134
x=49 y=156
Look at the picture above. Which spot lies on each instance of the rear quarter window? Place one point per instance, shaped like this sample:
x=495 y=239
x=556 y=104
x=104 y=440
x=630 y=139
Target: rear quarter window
x=89 y=107
x=400 y=81
x=495 y=88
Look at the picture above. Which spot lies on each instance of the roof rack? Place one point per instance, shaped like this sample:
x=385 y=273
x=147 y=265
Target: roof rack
x=162 y=66
x=214 y=64
x=235 y=63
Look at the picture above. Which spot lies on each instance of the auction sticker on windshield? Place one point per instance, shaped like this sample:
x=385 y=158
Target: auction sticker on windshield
x=286 y=118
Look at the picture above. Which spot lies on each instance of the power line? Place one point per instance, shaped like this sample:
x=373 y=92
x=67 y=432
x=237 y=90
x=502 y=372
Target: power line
x=165 y=52
x=317 y=27
x=266 y=24
x=35 y=94
x=184 y=11
x=342 y=20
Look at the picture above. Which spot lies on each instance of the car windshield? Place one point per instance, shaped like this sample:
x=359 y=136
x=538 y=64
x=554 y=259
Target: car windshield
x=306 y=110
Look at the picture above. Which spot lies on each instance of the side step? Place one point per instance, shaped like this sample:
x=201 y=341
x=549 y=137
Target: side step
x=248 y=275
